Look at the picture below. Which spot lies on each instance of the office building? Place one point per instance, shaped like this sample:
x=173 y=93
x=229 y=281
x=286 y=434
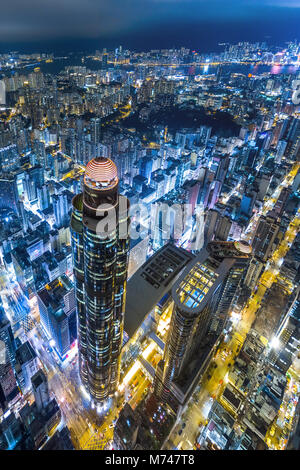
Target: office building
x=58 y=313
x=100 y=272
x=26 y=365
x=264 y=237
x=203 y=295
x=40 y=390
x=60 y=209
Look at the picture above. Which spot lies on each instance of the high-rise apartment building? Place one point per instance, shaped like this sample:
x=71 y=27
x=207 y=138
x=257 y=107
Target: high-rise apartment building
x=264 y=237
x=96 y=130
x=100 y=273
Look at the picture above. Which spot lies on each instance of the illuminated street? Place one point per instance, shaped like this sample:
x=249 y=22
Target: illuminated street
x=149 y=228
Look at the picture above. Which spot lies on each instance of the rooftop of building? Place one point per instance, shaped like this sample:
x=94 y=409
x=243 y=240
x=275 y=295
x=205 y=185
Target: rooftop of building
x=21 y=257
x=153 y=279
x=101 y=173
x=231 y=396
x=60 y=440
x=198 y=282
x=38 y=378
x=25 y=353
x=53 y=293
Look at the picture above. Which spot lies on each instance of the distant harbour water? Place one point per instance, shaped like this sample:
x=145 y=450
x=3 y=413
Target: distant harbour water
x=60 y=63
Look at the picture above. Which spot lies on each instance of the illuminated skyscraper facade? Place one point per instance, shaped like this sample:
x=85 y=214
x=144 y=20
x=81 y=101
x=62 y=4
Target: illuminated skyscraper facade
x=100 y=255
x=203 y=296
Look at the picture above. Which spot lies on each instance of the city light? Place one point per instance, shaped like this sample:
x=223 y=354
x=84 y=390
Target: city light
x=274 y=343
x=149 y=233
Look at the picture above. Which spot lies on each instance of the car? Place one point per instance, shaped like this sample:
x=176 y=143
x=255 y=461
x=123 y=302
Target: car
x=180 y=432
x=111 y=426
x=105 y=429
x=184 y=425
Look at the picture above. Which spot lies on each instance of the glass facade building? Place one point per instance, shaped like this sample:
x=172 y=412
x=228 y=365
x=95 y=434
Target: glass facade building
x=202 y=296
x=100 y=256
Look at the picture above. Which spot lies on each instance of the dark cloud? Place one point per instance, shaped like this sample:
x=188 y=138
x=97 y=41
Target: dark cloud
x=38 y=20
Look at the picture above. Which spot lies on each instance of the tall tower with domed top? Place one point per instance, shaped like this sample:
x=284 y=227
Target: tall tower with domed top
x=100 y=257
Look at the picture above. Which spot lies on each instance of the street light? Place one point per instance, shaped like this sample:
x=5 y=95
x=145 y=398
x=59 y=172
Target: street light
x=274 y=343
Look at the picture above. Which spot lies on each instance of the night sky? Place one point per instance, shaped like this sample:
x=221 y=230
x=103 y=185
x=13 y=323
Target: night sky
x=63 y=25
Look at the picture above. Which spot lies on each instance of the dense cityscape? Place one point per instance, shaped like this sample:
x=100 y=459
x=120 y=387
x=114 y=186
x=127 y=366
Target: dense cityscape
x=150 y=249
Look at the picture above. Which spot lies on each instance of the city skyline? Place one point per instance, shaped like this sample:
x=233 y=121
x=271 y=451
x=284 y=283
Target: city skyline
x=150 y=228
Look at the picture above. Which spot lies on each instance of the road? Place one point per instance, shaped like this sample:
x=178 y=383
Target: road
x=214 y=380
x=64 y=381
x=269 y=203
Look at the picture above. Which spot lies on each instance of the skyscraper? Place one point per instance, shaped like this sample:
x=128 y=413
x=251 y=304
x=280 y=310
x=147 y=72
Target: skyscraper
x=202 y=298
x=100 y=272
x=265 y=236
x=96 y=130
x=7 y=337
x=60 y=209
x=56 y=303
